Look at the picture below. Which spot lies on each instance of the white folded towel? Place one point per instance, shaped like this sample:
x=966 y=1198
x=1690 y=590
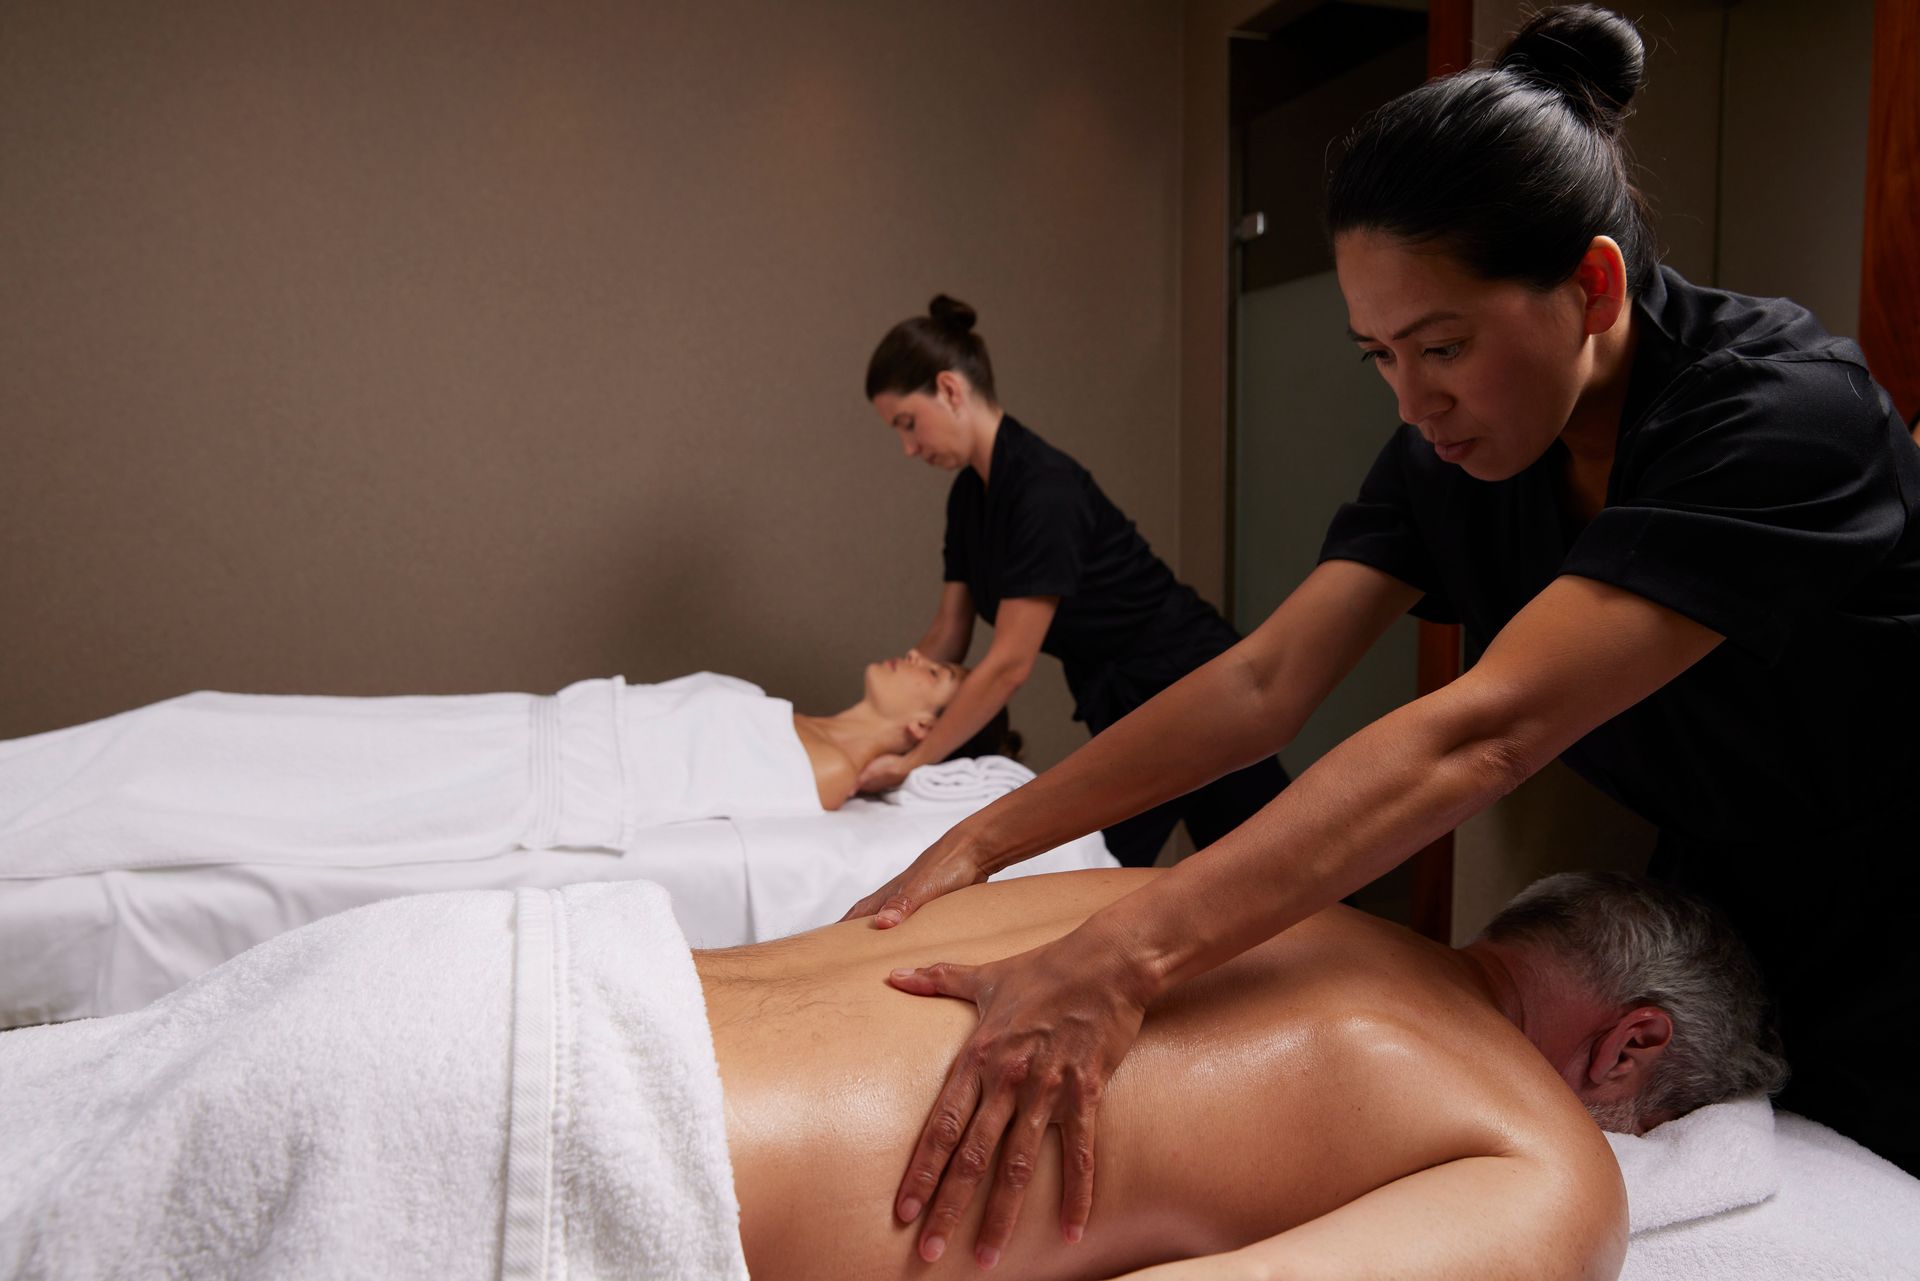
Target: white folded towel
x=1733 y=1193
x=265 y=779
x=245 y=778
x=970 y=781
x=336 y=1102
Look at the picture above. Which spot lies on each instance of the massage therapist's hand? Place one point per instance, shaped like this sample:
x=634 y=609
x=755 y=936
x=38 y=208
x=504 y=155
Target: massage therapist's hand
x=883 y=774
x=1054 y=1024
x=943 y=867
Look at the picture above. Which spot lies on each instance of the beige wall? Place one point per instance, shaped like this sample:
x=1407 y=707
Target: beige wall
x=1793 y=208
x=370 y=348
x=366 y=348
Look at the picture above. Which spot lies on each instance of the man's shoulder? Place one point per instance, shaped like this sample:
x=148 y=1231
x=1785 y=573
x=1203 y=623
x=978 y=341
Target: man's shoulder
x=1400 y=1020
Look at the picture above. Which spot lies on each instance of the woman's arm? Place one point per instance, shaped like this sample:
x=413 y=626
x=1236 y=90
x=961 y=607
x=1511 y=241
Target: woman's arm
x=1578 y=655
x=1055 y=1020
x=1019 y=627
x=951 y=631
x=1244 y=705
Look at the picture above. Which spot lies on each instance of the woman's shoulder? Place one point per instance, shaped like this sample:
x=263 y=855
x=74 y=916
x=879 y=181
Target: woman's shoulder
x=834 y=774
x=1032 y=459
x=1785 y=411
x=1717 y=325
x=1750 y=380
x=1766 y=358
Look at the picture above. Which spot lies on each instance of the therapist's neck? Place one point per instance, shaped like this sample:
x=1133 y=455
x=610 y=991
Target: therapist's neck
x=1593 y=429
x=984 y=420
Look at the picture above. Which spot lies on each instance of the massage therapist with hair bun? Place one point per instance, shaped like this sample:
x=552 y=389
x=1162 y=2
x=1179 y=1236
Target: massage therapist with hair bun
x=1681 y=528
x=1034 y=547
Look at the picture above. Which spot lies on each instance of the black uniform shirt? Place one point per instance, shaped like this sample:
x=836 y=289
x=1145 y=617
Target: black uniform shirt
x=1125 y=628
x=1763 y=486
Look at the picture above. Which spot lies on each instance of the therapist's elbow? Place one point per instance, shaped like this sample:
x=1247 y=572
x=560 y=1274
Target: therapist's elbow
x=1487 y=747
x=1499 y=764
x=1459 y=778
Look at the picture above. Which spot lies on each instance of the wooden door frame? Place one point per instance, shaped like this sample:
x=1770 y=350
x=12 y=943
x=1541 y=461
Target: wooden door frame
x=1449 y=48
x=1890 y=243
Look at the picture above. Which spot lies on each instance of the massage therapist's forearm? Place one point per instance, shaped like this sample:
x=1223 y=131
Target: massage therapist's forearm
x=1360 y=810
x=1247 y=703
x=1019 y=630
x=951 y=631
x=1579 y=655
x=1216 y=720
x=987 y=689
x=945 y=642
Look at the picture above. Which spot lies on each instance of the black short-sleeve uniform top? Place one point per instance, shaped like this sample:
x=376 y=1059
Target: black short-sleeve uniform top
x=1125 y=627
x=1764 y=486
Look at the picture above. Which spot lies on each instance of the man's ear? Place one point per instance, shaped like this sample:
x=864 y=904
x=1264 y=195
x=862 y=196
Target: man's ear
x=1602 y=277
x=1625 y=1054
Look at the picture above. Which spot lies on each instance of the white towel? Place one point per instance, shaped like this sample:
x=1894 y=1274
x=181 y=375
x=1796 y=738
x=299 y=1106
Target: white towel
x=279 y=780
x=803 y=873
x=969 y=781
x=336 y=1103
x=1733 y=1193
x=238 y=778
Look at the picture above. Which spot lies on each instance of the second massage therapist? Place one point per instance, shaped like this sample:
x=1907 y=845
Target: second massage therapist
x=1034 y=547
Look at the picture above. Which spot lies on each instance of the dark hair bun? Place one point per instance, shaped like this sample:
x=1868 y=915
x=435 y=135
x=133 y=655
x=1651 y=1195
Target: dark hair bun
x=951 y=314
x=1591 y=56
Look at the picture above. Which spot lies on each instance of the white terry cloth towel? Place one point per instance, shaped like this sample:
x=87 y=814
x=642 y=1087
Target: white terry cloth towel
x=802 y=873
x=495 y=1083
x=257 y=779
x=710 y=746
x=1734 y=1192
x=969 y=781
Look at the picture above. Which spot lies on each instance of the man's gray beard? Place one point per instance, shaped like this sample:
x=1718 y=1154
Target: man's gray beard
x=1620 y=1116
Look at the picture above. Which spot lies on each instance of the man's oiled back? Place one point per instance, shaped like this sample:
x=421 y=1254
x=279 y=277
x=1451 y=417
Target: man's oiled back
x=1291 y=1082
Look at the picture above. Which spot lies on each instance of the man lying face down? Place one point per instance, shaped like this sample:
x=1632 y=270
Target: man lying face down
x=1657 y=973
x=1346 y=1100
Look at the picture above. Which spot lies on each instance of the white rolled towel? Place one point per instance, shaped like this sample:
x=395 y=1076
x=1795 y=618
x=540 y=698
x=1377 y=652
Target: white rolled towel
x=970 y=781
x=1736 y=1192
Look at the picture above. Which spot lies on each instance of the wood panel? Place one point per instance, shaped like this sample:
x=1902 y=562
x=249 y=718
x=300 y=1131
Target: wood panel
x=1890 y=272
x=1449 y=48
x=1449 y=36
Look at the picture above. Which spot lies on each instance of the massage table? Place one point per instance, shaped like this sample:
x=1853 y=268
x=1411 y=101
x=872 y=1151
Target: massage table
x=1739 y=1192
x=522 y=1085
x=141 y=850
x=107 y=942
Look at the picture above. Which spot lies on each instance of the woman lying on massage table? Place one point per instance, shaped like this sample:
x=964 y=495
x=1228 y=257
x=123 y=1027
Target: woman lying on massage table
x=212 y=778
x=488 y=1084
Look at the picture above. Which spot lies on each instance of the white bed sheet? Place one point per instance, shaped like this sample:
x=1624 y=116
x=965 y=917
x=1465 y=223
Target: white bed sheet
x=106 y=942
x=1738 y=1192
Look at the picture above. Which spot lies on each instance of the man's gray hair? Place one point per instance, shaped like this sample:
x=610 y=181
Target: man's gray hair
x=1636 y=942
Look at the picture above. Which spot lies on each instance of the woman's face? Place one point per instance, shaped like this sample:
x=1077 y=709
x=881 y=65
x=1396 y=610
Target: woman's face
x=912 y=687
x=1487 y=371
x=929 y=427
